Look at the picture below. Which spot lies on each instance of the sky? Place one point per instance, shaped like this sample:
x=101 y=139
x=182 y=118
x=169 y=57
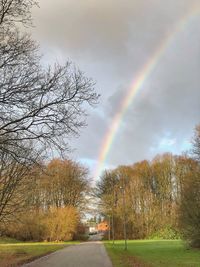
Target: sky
x=112 y=41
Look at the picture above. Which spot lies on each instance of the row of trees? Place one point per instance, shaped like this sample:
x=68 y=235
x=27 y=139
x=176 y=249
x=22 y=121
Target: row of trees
x=52 y=202
x=161 y=197
x=40 y=108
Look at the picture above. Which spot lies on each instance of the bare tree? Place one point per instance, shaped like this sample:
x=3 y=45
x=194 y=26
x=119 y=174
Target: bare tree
x=65 y=183
x=196 y=144
x=39 y=108
x=13 y=184
x=12 y=11
x=44 y=106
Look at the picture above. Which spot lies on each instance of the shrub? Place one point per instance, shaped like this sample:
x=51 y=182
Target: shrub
x=61 y=223
x=166 y=233
x=29 y=227
x=57 y=224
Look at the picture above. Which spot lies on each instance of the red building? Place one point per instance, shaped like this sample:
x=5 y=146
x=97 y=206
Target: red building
x=103 y=226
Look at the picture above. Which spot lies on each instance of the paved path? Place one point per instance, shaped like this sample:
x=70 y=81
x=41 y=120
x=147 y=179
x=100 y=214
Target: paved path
x=88 y=254
x=97 y=237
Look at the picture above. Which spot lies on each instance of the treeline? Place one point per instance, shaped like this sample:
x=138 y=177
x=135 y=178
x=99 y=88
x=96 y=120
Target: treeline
x=52 y=201
x=158 y=198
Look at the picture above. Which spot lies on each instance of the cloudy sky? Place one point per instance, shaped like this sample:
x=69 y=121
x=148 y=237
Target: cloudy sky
x=111 y=41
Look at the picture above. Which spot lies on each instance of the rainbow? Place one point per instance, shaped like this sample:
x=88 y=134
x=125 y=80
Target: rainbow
x=136 y=86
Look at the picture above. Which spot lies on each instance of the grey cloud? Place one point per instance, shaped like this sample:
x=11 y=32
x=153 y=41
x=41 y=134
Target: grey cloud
x=170 y=103
x=111 y=41
x=108 y=32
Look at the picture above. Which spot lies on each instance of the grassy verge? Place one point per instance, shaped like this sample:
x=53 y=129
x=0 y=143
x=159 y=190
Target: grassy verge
x=153 y=253
x=14 y=253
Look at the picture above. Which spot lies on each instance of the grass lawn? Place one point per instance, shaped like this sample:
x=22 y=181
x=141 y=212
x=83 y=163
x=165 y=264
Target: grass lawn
x=14 y=253
x=153 y=253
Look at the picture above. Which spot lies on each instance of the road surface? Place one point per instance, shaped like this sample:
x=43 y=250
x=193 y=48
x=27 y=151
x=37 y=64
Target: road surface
x=88 y=254
x=96 y=237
